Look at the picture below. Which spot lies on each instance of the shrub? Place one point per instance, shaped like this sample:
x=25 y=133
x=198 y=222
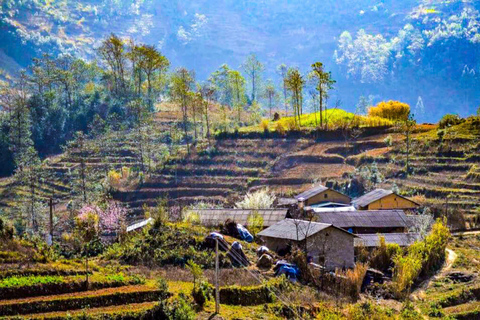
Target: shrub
x=196 y=271
x=280 y=128
x=126 y=172
x=367 y=311
x=202 y=293
x=388 y=140
x=178 y=309
x=350 y=281
x=252 y=295
x=192 y=217
x=264 y=125
x=382 y=256
x=113 y=178
x=162 y=287
x=422 y=258
x=449 y=120
x=392 y=110
x=255 y=223
x=261 y=199
x=6 y=230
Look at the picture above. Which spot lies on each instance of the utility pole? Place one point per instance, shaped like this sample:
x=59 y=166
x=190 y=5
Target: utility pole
x=50 y=202
x=217 y=292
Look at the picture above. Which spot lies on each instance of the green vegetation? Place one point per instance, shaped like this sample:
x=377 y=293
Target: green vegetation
x=422 y=258
x=13 y=282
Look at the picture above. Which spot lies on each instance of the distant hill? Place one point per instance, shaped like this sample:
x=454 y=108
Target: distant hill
x=408 y=49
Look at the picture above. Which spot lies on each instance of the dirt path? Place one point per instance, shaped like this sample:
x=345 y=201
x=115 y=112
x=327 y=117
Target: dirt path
x=466 y=233
x=419 y=293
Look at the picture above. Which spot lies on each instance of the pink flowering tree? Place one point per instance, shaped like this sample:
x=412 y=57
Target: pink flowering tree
x=111 y=220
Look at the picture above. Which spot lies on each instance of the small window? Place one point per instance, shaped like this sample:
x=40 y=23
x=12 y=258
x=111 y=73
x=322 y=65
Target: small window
x=326 y=195
x=321 y=260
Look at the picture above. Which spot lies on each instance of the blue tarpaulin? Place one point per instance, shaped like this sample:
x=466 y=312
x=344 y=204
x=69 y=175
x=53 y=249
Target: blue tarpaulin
x=244 y=234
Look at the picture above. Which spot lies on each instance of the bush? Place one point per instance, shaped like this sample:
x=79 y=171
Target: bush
x=113 y=178
x=388 y=140
x=449 y=120
x=178 y=309
x=350 y=281
x=381 y=258
x=422 y=258
x=252 y=295
x=392 y=110
x=201 y=293
x=255 y=223
x=261 y=199
x=6 y=230
x=280 y=128
x=162 y=287
x=264 y=125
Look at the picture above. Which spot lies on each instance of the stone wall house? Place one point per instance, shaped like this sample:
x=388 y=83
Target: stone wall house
x=328 y=245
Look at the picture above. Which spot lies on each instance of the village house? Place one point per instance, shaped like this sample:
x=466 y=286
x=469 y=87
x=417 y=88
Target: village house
x=365 y=222
x=216 y=217
x=322 y=194
x=328 y=245
x=381 y=199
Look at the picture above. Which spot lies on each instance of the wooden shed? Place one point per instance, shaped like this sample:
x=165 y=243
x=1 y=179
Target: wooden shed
x=381 y=199
x=364 y=222
x=320 y=194
x=328 y=245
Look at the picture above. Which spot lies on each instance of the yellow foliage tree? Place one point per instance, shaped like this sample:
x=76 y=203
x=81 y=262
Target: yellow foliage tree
x=392 y=110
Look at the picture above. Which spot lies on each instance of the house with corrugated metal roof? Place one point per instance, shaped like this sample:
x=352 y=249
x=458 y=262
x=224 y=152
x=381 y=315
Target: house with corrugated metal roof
x=328 y=245
x=216 y=217
x=381 y=199
x=371 y=240
x=364 y=222
x=322 y=194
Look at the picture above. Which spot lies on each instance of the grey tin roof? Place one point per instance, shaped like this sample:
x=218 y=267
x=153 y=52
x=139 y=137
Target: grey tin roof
x=373 y=240
x=287 y=229
x=311 y=192
x=215 y=217
x=371 y=196
x=364 y=219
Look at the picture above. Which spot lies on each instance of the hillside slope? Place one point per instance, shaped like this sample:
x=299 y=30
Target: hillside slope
x=384 y=49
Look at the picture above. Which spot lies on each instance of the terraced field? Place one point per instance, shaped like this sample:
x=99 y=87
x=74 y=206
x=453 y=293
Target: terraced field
x=114 y=150
x=446 y=175
x=218 y=176
x=57 y=290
